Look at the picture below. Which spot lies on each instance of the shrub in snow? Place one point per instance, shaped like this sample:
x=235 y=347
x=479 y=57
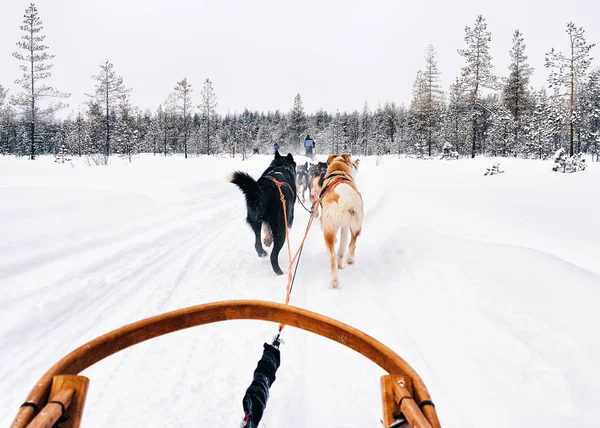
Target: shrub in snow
x=448 y=153
x=495 y=169
x=562 y=163
x=62 y=155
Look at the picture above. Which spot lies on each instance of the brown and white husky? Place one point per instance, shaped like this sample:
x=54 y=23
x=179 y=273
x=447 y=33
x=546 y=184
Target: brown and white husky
x=342 y=210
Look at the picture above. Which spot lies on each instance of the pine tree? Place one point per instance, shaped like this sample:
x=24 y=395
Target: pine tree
x=588 y=131
x=456 y=117
x=569 y=72
x=297 y=121
x=244 y=133
x=4 y=123
x=209 y=112
x=126 y=132
x=76 y=135
x=515 y=94
x=432 y=94
x=364 y=130
x=35 y=70
x=378 y=132
x=538 y=127
x=477 y=71
x=3 y=93
x=183 y=104
x=109 y=92
x=418 y=107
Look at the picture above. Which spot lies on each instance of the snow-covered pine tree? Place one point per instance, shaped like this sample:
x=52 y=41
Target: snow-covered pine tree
x=364 y=130
x=79 y=134
x=378 y=132
x=126 y=132
x=183 y=104
x=456 y=117
x=109 y=92
x=208 y=110
x=417 y=111
x=477 y=71
x=3 y=93
x=426 y=106
x=5 y=120
x=568 y=72
x=588 y=131
x=515 y=94
x=538 y=128
x=244 y=134
x=35 y=70
x=63 y=154
x=500 y=134
x=297 y=123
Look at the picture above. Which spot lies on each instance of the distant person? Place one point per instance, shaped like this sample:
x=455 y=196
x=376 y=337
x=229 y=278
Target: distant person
x=308 y=145
x=276 y=147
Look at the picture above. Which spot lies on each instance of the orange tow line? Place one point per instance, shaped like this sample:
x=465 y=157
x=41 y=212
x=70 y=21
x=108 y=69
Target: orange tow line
x=329 y=186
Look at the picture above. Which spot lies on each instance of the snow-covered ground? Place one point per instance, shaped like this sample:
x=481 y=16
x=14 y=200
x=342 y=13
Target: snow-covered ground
x=488 y=286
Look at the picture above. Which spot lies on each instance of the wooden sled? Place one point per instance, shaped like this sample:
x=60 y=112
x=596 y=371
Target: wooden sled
x=61 y=392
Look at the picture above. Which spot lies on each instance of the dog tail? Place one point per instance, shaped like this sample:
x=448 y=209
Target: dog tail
x=251 y=191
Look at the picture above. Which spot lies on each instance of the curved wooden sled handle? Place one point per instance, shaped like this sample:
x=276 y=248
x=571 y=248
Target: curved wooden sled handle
x=140 y=331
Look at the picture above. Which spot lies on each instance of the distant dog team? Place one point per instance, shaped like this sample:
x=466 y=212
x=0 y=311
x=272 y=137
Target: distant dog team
x=331 y=187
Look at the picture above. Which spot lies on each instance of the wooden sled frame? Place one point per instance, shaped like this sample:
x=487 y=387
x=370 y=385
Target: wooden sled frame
x=67 y=391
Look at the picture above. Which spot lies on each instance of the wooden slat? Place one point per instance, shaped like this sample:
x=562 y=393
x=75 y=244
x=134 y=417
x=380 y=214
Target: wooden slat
x=143 y=330
x=389 y=396
x=53 y=411
x=80 y=385
x=409 y=408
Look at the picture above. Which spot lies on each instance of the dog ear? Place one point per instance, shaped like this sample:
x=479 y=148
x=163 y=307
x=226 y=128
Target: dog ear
x=289 y=157
x=346 y=157
x=277 y=155
x=305 y=164
x=331 y=158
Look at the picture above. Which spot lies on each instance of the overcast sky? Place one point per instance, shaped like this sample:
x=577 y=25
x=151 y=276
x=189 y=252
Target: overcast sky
x=259 y=54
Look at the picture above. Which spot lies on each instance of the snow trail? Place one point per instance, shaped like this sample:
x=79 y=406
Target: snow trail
x=485 y=285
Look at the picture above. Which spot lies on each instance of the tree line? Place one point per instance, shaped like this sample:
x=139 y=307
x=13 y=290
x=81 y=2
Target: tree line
x=480 y=113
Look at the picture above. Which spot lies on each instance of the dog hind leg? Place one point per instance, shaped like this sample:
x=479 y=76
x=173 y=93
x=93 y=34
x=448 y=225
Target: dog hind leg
x=342 y=248
x=267 y=236
x=353 y=237
x=257 y=244
x=278 y=241
x=330 y=243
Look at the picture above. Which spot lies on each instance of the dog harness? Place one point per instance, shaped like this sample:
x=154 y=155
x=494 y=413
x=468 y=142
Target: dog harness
x=337 y=178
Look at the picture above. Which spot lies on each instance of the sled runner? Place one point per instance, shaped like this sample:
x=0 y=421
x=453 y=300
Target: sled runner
x=59 y=396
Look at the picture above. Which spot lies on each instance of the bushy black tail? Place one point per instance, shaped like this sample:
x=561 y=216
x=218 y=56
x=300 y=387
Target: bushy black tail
x=252 y=192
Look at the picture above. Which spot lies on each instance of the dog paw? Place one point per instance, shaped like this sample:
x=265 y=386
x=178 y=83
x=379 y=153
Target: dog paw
x=350 y=260
x=335 y=283
x=278 y=271
x=262 y=253
x=268 y=241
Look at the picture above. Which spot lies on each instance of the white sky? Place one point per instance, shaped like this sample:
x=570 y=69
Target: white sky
x=259 y=54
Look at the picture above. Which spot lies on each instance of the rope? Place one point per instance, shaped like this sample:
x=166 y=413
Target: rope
x=291 y=278
x=303 y=206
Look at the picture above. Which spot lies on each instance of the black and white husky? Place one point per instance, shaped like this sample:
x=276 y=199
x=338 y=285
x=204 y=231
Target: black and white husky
x=263 y=201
